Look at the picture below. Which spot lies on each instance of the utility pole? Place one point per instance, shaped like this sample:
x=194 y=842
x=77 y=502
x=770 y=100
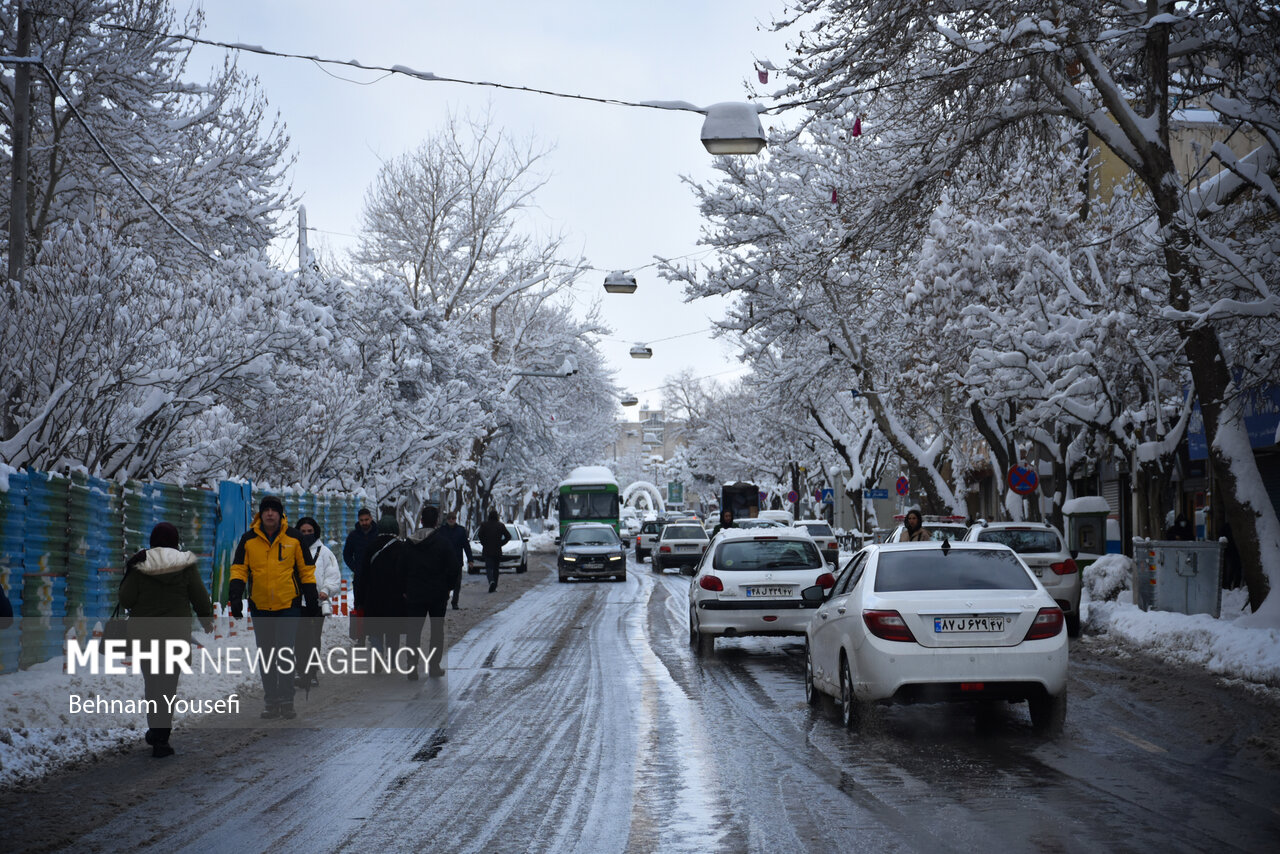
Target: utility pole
x=21 y=123
x=304 y=254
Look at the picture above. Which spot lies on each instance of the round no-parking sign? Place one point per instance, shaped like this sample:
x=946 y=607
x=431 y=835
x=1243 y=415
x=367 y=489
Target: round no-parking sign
x=903 y=486
x=1023 y=480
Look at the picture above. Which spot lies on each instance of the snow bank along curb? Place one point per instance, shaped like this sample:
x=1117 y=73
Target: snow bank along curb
x=1218 y=645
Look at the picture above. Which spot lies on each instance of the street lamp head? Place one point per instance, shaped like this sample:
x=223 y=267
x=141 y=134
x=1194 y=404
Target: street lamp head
x=629 y=400
x=641 y=351
x=620 y=282
x=733 y=127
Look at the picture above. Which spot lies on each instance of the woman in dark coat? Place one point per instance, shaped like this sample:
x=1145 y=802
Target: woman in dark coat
x=161 y=586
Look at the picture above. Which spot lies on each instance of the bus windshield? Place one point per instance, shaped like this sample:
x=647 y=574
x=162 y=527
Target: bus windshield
x=588 y=505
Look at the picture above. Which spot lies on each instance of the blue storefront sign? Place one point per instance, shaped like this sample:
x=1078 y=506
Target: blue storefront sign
x=1261 y=418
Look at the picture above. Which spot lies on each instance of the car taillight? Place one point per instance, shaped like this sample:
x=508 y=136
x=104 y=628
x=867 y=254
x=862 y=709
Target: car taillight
x=1067 y=567
x=888 y=625
x=1047 y=624
x=826 y=581
x=710 y=582
x=666 y=549
x=637 y=539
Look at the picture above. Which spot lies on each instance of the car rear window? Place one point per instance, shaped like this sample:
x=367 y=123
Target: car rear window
x=955 y=569
x=651 y=528
x=683 y=532
x=768 y=554
x=1027 y=541
x=818 y=530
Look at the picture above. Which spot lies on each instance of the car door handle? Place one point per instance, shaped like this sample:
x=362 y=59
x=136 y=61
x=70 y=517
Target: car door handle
x=840 y=610
x=823 y=614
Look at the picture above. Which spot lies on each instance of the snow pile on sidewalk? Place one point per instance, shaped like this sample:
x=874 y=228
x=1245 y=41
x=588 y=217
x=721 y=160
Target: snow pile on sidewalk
x=1219 y=646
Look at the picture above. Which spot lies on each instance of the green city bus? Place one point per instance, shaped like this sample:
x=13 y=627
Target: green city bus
x=588 y=494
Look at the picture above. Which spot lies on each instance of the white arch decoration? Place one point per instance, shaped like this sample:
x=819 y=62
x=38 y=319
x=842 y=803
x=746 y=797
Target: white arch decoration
x=650 y=490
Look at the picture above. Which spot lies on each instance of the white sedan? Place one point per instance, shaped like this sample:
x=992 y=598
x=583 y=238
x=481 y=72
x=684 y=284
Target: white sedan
x=749 y=583
x=933 y=622
x=515 y=553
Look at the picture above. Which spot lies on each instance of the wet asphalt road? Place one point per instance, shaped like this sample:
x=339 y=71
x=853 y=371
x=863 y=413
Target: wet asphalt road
x=578 y=719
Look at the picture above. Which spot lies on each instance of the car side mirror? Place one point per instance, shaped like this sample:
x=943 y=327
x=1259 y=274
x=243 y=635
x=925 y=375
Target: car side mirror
x=1075 y=553
x=557 y=541
x=815 y=593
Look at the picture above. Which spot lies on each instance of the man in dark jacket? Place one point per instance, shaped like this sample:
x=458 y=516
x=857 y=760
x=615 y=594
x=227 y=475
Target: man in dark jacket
x=493 y=535
x=462 y=544
x=358 y=541
x=431 y=563
x=380 y=587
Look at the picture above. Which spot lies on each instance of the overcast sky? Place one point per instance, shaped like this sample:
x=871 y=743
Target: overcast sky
x=615 y=185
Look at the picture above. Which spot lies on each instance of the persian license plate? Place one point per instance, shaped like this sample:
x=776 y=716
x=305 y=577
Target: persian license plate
x=767 y=590
x=595 y=564
x=945 y=625
x=686 y=548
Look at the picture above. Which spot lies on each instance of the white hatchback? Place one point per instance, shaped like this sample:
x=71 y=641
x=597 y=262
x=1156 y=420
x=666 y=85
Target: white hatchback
x=937 y=622
x=749 y=583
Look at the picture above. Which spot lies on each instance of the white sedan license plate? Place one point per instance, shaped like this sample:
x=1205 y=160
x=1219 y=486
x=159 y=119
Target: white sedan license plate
x=944 y=625
x=773 y=590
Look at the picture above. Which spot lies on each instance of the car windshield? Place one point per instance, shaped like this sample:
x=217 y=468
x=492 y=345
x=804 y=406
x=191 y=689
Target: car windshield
x=954 y=569
x=590 y=537
x=651 y=528
x=588 y=505
x=757 y=523
x=1024 y=541
x=683 y=532
x=768 y=554
x=514 y=532
x=818 y=529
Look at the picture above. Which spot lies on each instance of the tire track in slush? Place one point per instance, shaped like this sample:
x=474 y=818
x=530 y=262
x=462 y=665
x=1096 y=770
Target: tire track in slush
x=538 y=758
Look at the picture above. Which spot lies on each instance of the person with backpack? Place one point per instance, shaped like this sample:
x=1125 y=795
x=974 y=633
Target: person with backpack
x=493 y=535
x=328 y=584
x=430 y=564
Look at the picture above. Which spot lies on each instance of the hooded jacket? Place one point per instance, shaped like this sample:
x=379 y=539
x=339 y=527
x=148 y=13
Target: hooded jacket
x=275 y=570
x=431 y=562
x=161 y=587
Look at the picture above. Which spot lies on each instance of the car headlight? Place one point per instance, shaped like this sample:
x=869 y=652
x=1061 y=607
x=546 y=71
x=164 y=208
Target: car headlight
x=615 y=557
x=568 y=558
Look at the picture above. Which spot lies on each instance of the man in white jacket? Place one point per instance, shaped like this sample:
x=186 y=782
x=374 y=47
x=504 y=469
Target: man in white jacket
x=328 y=583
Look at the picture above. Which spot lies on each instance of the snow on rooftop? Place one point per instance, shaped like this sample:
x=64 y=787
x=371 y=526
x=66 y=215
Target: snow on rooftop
x=1086 y=504
x=589 y=475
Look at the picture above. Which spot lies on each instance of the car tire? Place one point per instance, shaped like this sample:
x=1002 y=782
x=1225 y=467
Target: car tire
x=564 y=579
x=656 y=565
x=850 y=709
x=704 y=646
x=1073 y=624
x=622 y=577
x=641 y=555
x=811 y=695
x=523 y=567
x=1048 y=714
x=686 y=570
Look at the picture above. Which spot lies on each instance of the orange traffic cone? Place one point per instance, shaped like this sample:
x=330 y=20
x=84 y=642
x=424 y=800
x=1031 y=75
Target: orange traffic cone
x=249 y=624
x=231 y=631
x=344 y=597
x=97 y=630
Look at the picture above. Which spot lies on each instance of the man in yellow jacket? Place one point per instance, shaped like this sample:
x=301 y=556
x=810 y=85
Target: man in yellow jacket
x=281 y=583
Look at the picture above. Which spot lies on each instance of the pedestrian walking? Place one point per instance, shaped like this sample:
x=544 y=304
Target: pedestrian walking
x=1180 y=529
x=493 y=535
x=913 y=530
x=461 y=541
x=431 y=564
x=381 y=587
x=271 y=565
x=328 y=583
x=160 y=589
x=358 y=540
x=726 y=521
x=6 y=610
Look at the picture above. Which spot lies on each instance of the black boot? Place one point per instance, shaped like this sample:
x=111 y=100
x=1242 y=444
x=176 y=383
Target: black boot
x=287 y=712
x=271 y=712
x=158 y=738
